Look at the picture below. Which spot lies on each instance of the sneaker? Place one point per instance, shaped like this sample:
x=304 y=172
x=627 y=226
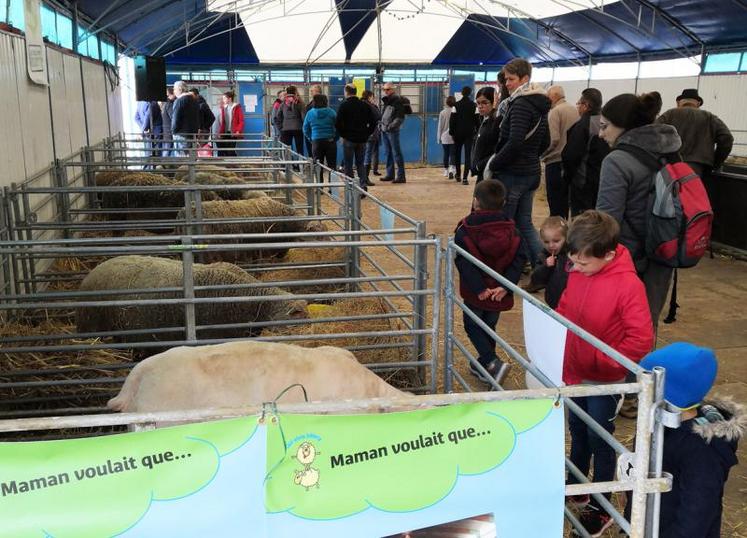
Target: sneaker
x=387 y=178
x=496 y=368
x=446 y=172
x=595 y=521
x=400 y=180
x=578 y=501
x=465 y=182
x=376 y=173
x=451 y=175
x=369 y=183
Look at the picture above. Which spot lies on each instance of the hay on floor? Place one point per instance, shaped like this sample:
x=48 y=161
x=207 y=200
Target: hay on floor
x=56 y=366
x=310 y=256
x=400 y=378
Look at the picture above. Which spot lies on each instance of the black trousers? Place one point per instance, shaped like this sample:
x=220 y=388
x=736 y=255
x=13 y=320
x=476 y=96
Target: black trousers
x=467 y=145
x=295 y=137
x=227 y=146
x=324 y=152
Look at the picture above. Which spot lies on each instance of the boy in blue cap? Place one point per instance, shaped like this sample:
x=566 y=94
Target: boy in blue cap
x=701 y=451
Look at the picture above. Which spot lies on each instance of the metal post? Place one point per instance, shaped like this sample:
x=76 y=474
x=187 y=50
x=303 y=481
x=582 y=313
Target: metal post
x=28 y=219
x=16 y=220
x=436 y=314
x=448 y=319
x=420 y=261
x=89 y=175
x=310 y=178
x=355 y=225
x=288 y=175
x=653 y=503
x=59 y=179
x=188 y=281
x=641 y=455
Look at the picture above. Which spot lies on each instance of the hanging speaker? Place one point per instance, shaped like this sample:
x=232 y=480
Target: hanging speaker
x=150 y=78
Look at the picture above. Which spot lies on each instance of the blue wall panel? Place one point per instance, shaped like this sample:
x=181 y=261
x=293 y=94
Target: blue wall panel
x=434 y=100
x=458 y=82
x=254 y=122
x=433 y=148
x=410 y=138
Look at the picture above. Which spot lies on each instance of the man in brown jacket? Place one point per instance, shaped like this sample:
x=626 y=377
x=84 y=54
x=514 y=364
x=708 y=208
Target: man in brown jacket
x=562 y=116
x=706 y=140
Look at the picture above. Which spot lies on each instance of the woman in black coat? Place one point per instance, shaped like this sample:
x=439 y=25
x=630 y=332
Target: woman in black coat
x=487 y=134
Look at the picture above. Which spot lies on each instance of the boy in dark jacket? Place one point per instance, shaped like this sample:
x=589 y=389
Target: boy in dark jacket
x=701 y=451
x=551 y=272
x=491 y=237
x=604 y=296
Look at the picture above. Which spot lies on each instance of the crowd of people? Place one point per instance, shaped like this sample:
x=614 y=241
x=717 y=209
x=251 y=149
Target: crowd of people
x=591 y=257
x=185 y=122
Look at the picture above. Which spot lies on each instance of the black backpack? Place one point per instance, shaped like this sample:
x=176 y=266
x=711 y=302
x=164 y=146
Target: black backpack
x=406 y=105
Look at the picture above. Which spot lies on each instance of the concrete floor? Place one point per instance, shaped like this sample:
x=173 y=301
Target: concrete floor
x=711 y=298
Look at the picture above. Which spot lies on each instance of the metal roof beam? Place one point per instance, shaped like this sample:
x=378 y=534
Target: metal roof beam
x=671 y=20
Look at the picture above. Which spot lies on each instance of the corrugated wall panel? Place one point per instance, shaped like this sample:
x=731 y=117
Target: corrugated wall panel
x=74 y=93
x=114 y=99
x=11 y=145
x=36 y=121
x=724 y=95
x=610 y=88
x=60 y=107
x=669 y=88
x=96 y=102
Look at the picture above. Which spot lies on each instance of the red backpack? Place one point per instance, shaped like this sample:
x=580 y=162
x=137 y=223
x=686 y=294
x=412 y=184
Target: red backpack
x=678 y=226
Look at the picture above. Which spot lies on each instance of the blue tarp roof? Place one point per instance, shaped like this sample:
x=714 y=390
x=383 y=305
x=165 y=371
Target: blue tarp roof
x=623 y=30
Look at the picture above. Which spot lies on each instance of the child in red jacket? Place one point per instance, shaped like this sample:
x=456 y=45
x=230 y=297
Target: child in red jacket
x=604 y=296
x=491 y=237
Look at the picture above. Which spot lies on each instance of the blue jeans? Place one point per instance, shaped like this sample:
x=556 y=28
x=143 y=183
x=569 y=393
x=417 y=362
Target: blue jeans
x=558 y=192
x=483 y=343
x=519 y=197
x=372 y=155
x=355 y=151
x=182 y=145
x=586 y=444
x=393 y=154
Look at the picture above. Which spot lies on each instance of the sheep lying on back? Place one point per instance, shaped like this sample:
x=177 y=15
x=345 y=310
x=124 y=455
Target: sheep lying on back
x=147 y=272
x=238 y=374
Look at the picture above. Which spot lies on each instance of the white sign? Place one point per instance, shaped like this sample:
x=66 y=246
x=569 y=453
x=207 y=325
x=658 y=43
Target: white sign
x=545 y=342
x=250 y=103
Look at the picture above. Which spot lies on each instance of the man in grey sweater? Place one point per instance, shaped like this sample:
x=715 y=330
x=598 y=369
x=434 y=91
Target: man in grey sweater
x=562 y=116
x=706 y=140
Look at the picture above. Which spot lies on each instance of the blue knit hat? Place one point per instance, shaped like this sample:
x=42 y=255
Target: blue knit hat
x=691 y=371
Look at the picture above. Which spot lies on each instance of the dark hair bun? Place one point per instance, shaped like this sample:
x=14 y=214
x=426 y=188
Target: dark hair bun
x=649 y=106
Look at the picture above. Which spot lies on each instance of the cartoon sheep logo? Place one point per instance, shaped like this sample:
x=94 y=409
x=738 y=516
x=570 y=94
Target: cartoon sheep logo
x=308 y=477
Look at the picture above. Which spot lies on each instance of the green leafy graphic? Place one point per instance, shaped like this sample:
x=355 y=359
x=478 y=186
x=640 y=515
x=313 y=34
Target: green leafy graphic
x=100 y=486
x=327 y=467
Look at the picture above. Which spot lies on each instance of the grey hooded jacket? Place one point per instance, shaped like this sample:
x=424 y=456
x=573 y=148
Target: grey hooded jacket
x=625 y=183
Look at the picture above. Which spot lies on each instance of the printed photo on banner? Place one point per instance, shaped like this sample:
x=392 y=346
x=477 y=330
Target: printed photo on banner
x=482 y=526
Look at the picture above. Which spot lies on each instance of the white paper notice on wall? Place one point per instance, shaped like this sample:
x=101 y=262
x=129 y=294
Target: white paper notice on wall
x=250 y=103
x=545 y=342
x=36 y=59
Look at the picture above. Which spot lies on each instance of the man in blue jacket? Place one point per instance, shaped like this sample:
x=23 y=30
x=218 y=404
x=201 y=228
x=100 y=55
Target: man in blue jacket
x=149 y=120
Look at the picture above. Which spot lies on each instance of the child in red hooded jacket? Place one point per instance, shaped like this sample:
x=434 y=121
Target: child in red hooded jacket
x=491 y=237
x=605 y=297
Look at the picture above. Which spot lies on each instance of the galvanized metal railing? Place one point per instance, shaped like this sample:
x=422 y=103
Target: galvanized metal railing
x=646 y=482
